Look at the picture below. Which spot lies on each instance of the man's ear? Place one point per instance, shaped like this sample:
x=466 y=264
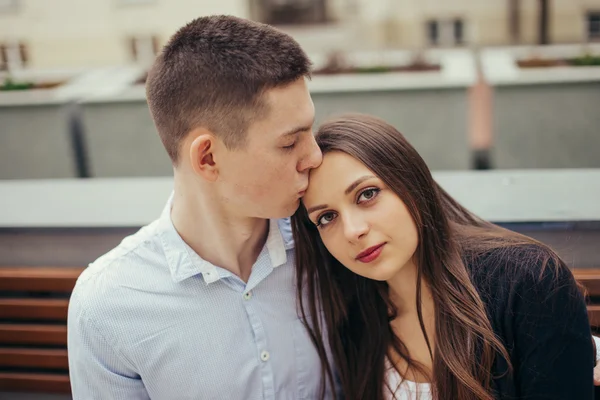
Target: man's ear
x=203 y=154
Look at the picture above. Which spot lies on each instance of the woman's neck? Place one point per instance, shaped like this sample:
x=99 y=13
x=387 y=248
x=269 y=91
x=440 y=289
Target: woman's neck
x=403 y=291
x=407 y=326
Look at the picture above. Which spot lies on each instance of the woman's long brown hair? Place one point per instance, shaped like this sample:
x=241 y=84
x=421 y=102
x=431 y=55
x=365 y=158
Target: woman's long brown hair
x=354 y=313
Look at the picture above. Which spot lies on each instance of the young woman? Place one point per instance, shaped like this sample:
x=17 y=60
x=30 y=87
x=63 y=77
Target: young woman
x=420 y=299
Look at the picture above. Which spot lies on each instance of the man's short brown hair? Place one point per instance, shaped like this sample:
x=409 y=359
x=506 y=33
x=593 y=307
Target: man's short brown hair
x=212 y=74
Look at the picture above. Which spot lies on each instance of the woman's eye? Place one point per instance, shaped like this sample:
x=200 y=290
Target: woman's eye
x=368 y=194
x=325 y=219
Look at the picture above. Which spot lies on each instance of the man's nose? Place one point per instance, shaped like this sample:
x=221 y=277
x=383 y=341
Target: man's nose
x=313 y=157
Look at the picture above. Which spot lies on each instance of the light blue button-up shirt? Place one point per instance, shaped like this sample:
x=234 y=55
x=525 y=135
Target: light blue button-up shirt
x=151 y=319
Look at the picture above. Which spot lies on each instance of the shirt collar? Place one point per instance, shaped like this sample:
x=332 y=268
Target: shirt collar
x=184 y=262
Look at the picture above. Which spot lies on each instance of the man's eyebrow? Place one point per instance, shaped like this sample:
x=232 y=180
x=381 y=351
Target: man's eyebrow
x=348 y=190
x=298 y=129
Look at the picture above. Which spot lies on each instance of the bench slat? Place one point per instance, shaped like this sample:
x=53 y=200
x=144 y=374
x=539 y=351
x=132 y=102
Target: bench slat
x=594 y=314
x=43 y=309
x=39 y=279
x=35 y=383
x=23 y=334
x=34 y=358
x=590 y=278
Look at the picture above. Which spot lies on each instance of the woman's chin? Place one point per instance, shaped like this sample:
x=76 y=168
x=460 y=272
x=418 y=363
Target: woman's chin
x=380 y=273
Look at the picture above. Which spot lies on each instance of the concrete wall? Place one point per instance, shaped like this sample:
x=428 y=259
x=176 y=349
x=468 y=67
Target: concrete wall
x=434 y=121
x=73 y=247
x=547 y=126
x=577 y=244
x=535 y=126
x=77 y=247
x=80 y=220
x=35 y=143
x=122 y=140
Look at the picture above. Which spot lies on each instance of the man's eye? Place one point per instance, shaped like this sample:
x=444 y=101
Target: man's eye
x=289 y=147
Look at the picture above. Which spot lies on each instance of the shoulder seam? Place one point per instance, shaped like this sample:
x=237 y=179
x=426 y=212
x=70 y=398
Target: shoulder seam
x=84 y=315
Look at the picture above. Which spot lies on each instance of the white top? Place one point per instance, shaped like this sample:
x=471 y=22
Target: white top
x=402 y=389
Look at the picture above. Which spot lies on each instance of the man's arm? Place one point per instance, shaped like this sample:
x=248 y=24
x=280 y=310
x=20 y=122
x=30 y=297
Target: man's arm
x=96 y=369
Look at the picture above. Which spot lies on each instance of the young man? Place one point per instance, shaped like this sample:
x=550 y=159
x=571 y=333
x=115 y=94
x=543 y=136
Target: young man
x=200 y=304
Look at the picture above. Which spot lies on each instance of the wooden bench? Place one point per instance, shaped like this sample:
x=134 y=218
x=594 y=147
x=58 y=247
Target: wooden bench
x=33 y=329
x=590 y=278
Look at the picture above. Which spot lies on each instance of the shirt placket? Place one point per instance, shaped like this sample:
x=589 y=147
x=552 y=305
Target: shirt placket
x=263 y=352
x=262 y=347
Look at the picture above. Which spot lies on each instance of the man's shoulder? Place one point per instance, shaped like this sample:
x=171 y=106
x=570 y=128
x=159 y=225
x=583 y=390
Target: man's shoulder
x=141 y=250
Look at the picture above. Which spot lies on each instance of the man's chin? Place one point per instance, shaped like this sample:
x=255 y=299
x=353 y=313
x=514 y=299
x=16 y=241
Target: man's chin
x=285 y=212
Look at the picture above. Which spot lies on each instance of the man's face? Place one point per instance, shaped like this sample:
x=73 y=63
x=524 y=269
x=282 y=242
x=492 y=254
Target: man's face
x=267 y=177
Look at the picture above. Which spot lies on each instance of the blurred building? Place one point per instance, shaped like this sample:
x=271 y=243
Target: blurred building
x=76 y=33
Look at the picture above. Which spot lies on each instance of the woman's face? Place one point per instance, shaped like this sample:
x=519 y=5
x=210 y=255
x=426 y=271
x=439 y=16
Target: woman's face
x=363 y=223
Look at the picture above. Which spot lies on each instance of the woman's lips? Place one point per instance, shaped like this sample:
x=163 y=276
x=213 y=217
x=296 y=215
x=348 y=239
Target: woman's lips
x=370 y=254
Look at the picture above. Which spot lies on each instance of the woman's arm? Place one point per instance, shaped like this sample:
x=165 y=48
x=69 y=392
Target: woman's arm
x=553 y=354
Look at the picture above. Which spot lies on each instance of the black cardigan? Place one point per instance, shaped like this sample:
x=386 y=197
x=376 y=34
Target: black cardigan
x=540 y=315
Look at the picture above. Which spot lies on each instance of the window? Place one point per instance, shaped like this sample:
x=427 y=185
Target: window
x=13 y=56
x=144 y=49
x=445 y=32
x=290 y=12
x=458 y=31
x=433 y=33
x=593 y=25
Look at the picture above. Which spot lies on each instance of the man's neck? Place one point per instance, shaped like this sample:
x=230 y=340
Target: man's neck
x=225 y=240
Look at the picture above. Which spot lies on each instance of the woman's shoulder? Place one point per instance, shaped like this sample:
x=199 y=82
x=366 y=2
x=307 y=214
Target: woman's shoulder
x=531 y=286
x=518 y=266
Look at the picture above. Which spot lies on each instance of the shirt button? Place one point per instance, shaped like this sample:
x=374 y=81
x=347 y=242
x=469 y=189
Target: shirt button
x=247 y=295
x=265 y=355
